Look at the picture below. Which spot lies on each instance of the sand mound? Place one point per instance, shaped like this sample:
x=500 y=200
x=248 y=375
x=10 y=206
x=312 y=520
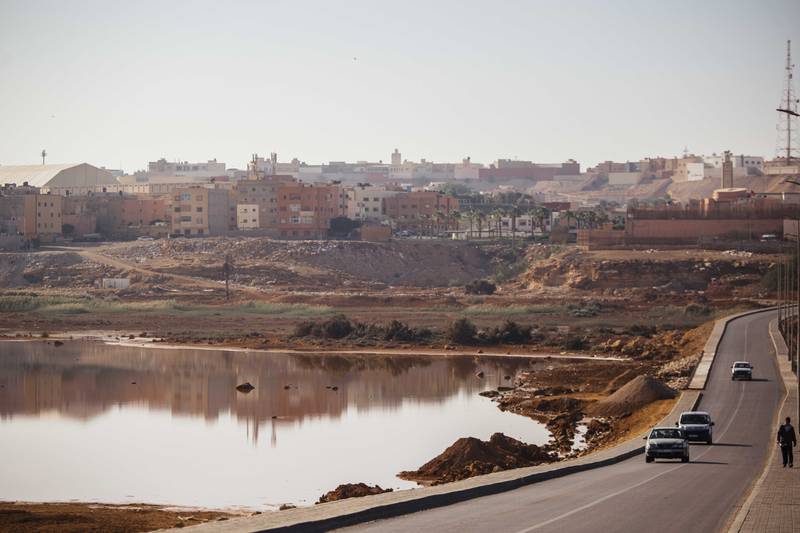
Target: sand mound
x=469 y=457
x=351 y=490
x=635 y=394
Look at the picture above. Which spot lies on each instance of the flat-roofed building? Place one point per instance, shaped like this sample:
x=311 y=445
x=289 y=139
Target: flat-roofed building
x=197 y=211
x=365 y=202
x=262 y=192
x=420 y=209
x=305 y=210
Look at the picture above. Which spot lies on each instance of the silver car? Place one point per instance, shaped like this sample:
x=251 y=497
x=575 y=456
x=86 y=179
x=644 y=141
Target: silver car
x=666 y=443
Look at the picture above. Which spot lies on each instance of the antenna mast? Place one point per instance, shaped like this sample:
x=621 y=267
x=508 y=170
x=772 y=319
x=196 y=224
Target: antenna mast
x=788 y=107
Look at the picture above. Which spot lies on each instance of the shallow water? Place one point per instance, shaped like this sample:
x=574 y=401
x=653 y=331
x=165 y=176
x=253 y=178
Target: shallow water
x=94 y=422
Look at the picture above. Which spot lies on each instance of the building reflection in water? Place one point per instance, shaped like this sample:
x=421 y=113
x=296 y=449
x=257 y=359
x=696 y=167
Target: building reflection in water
x=82 y=379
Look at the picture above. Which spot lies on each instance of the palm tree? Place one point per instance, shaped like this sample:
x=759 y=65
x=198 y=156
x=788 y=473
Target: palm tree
x=570 y=215
x=544 y=213
x=535 y=214
x=497 y=217
x=440 y=217
x=481 y=220
x=514 y=212
x=455 y=219
x=471 y=218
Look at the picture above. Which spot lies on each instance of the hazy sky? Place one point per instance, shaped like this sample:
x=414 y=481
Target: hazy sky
x=124 y=82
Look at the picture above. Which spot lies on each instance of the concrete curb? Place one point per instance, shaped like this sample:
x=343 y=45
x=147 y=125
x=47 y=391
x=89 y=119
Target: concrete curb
x=784 y=369
x=325 y=517
x=703 y=369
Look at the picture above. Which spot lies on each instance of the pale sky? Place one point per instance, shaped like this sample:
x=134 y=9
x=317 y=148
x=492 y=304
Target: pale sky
x=121 y=83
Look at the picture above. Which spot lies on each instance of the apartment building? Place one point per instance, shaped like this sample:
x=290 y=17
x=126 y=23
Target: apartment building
x=305 y=210
x=196 y=211
x=263 y=193
x=33 y=216
x=41 y=217
x=413 y=210
x=365 y=202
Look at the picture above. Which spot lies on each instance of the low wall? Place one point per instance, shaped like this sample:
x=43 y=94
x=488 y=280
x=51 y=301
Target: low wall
x=638 y=231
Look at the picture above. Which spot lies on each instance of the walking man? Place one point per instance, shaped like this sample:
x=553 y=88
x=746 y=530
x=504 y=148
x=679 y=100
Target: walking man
x=787 y=439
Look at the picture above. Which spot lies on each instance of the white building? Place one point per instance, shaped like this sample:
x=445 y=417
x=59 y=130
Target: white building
x=753 y=162
x=185 y=169
x=247 y=216
x=696 y=171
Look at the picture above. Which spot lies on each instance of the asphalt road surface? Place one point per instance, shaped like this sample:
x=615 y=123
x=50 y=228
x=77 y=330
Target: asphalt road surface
x=632 y=496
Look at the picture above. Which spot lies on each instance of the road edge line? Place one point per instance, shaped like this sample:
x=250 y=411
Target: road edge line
x=741 y=515
x=703 y=369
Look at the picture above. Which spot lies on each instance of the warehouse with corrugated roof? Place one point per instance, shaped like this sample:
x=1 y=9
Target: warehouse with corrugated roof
x=65 y=179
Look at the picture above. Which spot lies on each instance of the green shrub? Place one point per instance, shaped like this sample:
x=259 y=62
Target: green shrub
x=695 y=309
x=480 y=286
x=462 y=331
x=574 y=342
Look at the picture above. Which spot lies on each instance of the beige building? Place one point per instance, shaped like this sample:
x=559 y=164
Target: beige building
x=366 y=203
x=64 y=180
x=33 y=216
x=196 y=211
x=247 y=216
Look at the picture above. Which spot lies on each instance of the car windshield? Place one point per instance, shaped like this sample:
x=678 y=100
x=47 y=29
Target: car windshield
x=694 y=419
x=741 y=365
x=666 y=434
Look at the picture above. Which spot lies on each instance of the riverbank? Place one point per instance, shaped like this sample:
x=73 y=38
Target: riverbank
x=73 y=517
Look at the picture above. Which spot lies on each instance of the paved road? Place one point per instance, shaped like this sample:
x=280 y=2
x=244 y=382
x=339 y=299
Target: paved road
x=633 y=496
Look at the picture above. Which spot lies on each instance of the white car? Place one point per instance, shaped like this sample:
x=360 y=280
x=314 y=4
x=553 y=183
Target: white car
x=742 y=370
x=666 y=443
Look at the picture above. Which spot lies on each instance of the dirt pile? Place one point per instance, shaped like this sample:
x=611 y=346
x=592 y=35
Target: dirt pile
x=51 y=270
x=468 y=457
x=263 y=261
x=650 y=270
x=634 y=395
x=351 y=490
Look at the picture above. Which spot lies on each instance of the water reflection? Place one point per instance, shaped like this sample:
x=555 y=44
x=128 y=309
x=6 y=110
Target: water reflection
x=152 y=410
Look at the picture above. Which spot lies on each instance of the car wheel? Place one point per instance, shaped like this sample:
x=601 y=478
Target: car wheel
x=685 y=459
x=648 y=459
x=709 y=441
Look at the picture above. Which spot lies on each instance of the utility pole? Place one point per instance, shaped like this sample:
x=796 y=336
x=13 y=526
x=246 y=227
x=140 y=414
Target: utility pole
x=227 y=268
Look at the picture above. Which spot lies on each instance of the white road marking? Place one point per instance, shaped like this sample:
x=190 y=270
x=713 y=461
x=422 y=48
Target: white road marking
x=648 y=480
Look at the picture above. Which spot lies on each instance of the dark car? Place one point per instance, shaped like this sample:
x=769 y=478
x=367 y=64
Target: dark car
x=697 y=425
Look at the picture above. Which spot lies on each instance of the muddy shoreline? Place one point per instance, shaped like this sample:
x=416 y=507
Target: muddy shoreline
x=79 y=517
